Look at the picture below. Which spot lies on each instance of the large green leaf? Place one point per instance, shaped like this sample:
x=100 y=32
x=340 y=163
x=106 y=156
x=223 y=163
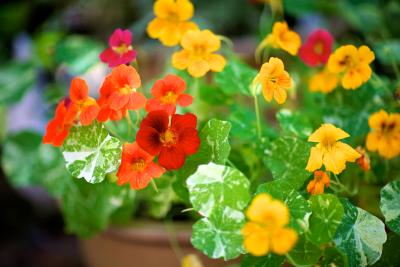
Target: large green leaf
x=304 y=253
x=270 y=260
x=287 y=158
x=219 y=235
x=327 y=212
x=390 y=205
x=90 y=152
x=388 y=51
x=360 y=236
x=390 y=256
x=294 y=123
x=299 y=208
x=16 y=79
x=333 y=257
x=215 y=185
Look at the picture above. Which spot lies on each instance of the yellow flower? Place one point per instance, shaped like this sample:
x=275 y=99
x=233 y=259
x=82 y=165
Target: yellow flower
x=353 y=63
x=191 y=260
x=385 y=134
x=323 y=81
x=275 y=81
x=171 y=21
x=197 y=55
x=316 y=186
x=266 y=229
x=281 y=37
x=329 y=151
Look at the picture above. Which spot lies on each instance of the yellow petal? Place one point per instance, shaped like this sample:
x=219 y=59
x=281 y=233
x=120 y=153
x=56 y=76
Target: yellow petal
x=212 y=42
x=327 y=131
x=284 y=80
x=170 y=35
x=186 y=26
x=191 y=39
x=372 y=142
x=290 y=42
x=280 y=95
x=389 y=147
x=375 y=120
x=267 y=211
x=268 y=92
x=217 y=62
x=256 y=239
x=181 y=59
x=351 y=80
x=365 y=72
x=350 y=153
x=154 y=28
x=365 y=54
x=191 y=260
x=315 y=159
x=164 y=8
x=283 y=240
x=334 y=161
x=198 y=68
x=185 y=9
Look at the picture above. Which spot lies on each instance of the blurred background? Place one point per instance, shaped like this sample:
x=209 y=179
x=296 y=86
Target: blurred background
x=44 y=43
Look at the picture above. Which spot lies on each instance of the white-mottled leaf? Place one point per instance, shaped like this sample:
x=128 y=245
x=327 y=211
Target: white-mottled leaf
x=390 y=205
x=90 y=152
x=215 y=185
x=360 y=236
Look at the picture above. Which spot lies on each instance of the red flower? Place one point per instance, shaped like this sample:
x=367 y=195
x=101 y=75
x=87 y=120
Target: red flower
x=120 y=50
x=119 y=93
x=57 y=130
x=167 y=93
x=317 y=48
x=137 y=167
x=172 y=138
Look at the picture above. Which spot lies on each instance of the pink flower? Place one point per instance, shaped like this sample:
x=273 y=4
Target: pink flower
x=120 y=50
x=317 y=48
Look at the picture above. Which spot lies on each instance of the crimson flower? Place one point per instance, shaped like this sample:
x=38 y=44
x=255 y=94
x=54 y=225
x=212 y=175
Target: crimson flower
x=120 y=50
x=137 y=167
x=172 y=138
x=167 y=93
x=317 y=48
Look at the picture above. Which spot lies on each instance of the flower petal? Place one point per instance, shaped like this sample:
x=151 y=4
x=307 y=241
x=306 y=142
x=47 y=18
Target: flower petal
x=315 y=159
x=171 y=158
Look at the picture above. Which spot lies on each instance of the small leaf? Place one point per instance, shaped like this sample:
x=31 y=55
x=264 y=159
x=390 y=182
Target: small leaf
x=304 y=253
x=218 y=186
x=90 y=152
x=360 y=236
x=390 y=205
x=287 y=158
x=294 y=123
x=270 y=260
x=327 y=212
x=219 y=236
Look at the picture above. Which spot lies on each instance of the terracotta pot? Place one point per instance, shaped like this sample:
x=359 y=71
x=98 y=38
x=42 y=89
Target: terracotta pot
x=143 y=245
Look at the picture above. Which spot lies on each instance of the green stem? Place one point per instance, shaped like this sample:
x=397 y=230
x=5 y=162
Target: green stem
x=258 y=122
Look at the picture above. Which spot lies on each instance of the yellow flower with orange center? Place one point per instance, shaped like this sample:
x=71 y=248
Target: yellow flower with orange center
x=324 y=81
x=385 y=134
x=266 y=231
x=330 y=152
x=198 y=53
x=274 y=80
x=171 y=21
x=353 y=64
x=317 y=185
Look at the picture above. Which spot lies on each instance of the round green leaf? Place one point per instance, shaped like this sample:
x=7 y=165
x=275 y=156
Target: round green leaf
x=360 y=236
x=327 y=212
x=304 y=253
x=390 y=205
x=90 y=152
x=270 y=260
x=299 y=208
x=215 y=185
x=294 y=123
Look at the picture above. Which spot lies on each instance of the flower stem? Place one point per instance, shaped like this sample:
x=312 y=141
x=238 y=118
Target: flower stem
x=258 y=119
x=154 y=185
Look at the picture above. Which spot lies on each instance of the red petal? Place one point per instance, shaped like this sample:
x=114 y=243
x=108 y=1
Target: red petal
x=108 y=56
x=136 y=101
x=78 y=90
x=124 y=173
x=149 y=139
x=179 y=122
x=128 y=57
x=175 y=83
x=116 y=38
x=185 y=100
x=157 y=89
x=126 y=37
x=140 y=180
x=104 y=114
x=155 y=170
x=189 y=141
x=171 y=158
x=153 y=104
x=156 y=119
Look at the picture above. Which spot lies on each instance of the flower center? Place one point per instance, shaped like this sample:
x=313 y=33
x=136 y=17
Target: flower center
x=318 y=48
x=125 y=90
x=138 y=165
x=169 y=98
x=122 y=49
x=327 y=142
x=199 y=49
x=172 y=15
x=168 y=138
x=387 y=128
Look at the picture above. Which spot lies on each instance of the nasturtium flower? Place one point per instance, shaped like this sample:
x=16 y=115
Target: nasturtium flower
x=172 y=138
x=385 y=134
x=137 y=167
x=274 y=80
x=318 y=184
x=283 y=38
x=167 y=93
x=198 y=53
x=363 y=161
x=329 y=151
x=266 y=229
x=171 y=21
x=317 y=48
x=352 y=64
x=57 y=129
x=120 y=50
x=119 y=93
x=323 y=81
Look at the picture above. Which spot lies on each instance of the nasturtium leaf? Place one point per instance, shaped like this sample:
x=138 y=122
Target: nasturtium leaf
x=294 y=123
x=333 y=257
x=287 y=159
x=390 y=205
x=299 y=208
x=327 y=213
x=90 y=152
x=360 y=236
x=13 y=87
x=214 y=147
x=87 y=208
x=219 y=235
x=215 y=185
x=390 y=255
x=388 y=51
x=304 y=253
x=270 y=260
x=236 y=77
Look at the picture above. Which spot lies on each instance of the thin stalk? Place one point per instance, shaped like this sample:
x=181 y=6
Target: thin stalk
x=154 y=185
x=258 y=119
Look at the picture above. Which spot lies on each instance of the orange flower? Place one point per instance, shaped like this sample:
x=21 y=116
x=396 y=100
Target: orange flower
x=137 y=167
x=57 y=130
x=364 y=161
x=119 y=93
x=171 y=21
x=197 y=55
x=316 y=186
x=274 y=80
